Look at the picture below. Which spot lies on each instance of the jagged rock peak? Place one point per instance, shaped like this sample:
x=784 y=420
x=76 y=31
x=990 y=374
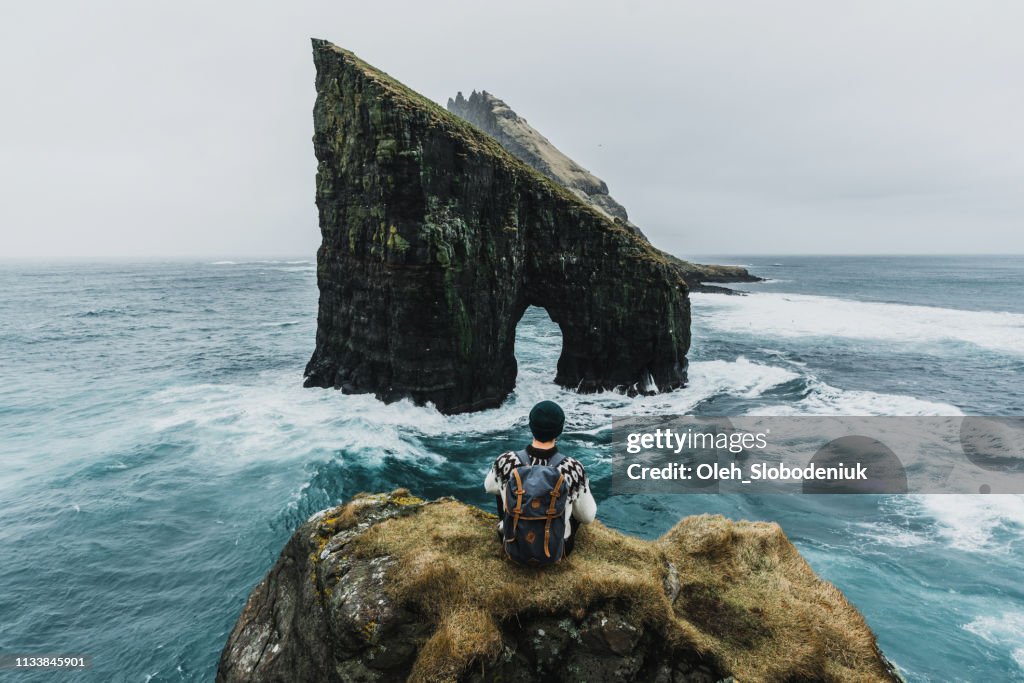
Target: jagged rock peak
x=497 y=119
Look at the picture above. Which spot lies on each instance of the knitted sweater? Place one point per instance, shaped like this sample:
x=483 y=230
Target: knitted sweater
x=581 y=503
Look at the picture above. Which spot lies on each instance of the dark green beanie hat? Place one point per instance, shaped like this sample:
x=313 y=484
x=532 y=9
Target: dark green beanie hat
x=546 y=420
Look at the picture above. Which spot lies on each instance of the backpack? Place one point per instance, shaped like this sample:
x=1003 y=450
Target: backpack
x=535 y=500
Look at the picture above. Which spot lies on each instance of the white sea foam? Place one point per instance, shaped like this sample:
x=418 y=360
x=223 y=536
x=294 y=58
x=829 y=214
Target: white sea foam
x=891 y=535
x=277 y=419
x=284 y=323
x=974 y=523
x=824 y=399
x=292 y=269
x=274 y=418
x=807 y=317
x=1004 y=630
x=585 y=412
x=741 y=377
x=992 y=524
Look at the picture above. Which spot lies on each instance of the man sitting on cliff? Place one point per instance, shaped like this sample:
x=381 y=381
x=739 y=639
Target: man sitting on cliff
x=571 y=483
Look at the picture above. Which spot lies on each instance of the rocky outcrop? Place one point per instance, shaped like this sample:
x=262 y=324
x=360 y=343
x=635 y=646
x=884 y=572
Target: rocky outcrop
x=698 y=276
x=497 y=119
x=494 y=117
x=436 y=240
x=391 y=588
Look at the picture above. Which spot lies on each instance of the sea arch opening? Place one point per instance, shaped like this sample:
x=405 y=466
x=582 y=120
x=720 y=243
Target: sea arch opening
x=538 y=346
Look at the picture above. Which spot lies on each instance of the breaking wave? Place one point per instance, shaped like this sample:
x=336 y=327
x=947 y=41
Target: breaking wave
x=808 y=316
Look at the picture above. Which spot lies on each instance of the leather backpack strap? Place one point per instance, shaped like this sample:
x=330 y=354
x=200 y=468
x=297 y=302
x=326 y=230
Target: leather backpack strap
x=547 y=538
x=555 y=494
x=518 y=510
x=551 y=515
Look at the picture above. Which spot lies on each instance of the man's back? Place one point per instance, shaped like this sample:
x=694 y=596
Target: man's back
x=569 y=489
x=579 y=504
x=580 y=498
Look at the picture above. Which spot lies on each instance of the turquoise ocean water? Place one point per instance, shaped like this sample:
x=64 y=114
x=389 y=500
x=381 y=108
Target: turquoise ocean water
x=158 y=449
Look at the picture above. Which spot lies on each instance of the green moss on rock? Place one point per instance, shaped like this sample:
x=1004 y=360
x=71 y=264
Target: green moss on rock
x=437 y=239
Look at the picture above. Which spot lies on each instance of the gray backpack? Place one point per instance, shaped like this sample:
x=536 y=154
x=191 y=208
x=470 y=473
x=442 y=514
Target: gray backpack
x=535 y=500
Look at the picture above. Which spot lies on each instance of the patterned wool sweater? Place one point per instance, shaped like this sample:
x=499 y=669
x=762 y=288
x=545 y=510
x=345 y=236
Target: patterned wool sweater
x=581 y=505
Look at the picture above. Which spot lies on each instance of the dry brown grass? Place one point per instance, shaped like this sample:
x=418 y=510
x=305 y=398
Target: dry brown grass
x=747 y=599
x=762 y=609
x=461 y=638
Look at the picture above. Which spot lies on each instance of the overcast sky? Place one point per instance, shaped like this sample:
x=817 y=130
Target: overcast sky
x=182 y=129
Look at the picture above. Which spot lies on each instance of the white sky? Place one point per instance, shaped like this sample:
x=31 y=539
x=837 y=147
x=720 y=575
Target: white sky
x=182 y=129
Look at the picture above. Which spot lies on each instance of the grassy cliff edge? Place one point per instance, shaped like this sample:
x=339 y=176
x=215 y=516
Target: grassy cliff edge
x=402 y=589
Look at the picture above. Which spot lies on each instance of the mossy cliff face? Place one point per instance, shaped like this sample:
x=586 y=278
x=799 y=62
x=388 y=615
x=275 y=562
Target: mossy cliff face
x=391 y=588
x=436 y=240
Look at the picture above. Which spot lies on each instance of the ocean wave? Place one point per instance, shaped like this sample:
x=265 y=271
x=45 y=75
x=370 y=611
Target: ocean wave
x=1004 y=630
x=275 y=415
x=975 y=523
x=890 y=534
x=807 y=316
x=293 y=269
x=104 y=313
x=741 y=378
x=992 y=524
x=279 y=420
x=284 y=323
x=824 y=399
